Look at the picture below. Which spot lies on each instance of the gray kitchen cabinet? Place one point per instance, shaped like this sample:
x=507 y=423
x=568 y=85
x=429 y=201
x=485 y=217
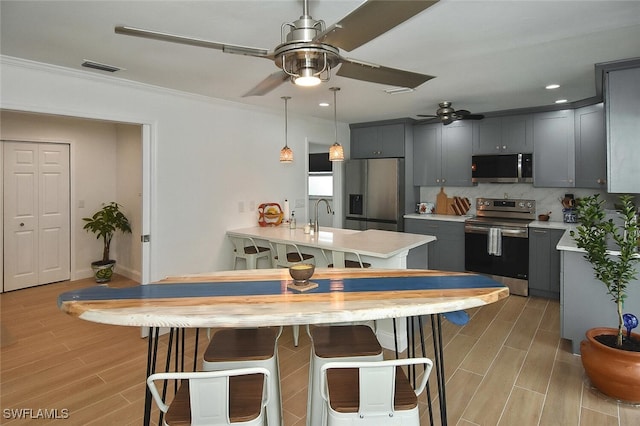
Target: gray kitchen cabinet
x=447 y=252
x=378 y=141
x=544 y=262
x=591 y=147
x=554 y=153
x=442 y=154
x=504 y=135
x=622 y=102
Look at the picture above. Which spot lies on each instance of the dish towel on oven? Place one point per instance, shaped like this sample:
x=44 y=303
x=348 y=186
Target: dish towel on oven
x=494 y=242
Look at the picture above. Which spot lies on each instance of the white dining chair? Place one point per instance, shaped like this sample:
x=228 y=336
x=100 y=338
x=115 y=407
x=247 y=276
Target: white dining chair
x=371 y=393
x=215 y=398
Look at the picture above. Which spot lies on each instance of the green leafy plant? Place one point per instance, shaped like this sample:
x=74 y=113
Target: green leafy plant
x=104 y=223
x=592 y=235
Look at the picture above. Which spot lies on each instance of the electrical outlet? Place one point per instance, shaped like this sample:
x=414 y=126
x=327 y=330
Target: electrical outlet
x=299 y=203
x=241 y=207
x=252 y=205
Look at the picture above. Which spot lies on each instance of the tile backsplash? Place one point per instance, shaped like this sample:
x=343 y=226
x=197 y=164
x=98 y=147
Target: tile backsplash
x=547 y=199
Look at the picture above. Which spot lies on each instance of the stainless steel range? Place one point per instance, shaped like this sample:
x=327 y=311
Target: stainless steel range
x=497 y=241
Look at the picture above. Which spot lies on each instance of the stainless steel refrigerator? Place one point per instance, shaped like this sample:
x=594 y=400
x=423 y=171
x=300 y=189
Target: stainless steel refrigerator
x=375 y=194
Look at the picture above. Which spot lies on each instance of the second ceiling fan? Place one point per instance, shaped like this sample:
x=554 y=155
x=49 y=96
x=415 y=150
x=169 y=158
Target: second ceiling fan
x=447 y=115
x=309 y=51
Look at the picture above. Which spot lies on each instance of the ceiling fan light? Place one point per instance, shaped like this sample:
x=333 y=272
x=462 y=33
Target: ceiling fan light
x=336 y=152
x=307 y=78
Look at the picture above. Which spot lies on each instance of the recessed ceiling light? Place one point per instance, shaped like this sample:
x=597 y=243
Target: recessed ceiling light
x=552 y=86
x=561 y=101
x=324 y=104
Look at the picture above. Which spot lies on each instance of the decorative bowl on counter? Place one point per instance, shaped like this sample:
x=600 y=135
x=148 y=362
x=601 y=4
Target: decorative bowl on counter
x=544 y=217
x=301 y=272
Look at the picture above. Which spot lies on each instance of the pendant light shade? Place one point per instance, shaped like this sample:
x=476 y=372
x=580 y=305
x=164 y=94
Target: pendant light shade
x=336 y=152
x=286 y=154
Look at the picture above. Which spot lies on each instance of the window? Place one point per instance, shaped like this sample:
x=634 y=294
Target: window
x=320 y=184
x=320 y=175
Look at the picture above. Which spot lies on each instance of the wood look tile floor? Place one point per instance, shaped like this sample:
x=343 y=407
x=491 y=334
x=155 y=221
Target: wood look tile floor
x=507 y=366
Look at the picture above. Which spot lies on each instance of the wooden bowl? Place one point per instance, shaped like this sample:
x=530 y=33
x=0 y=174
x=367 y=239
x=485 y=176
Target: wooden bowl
x=543 y=217
x=301 y=272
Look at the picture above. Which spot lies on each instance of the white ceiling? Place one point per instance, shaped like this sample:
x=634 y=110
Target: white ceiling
x=486 y=55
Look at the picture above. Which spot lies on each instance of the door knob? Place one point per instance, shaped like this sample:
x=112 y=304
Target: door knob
x=21 y=223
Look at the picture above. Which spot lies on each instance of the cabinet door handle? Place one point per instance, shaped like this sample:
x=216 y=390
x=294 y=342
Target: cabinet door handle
x=601 y=181
x=504 y=147
x=21 y=223
x=537 y=231
x=443 y=180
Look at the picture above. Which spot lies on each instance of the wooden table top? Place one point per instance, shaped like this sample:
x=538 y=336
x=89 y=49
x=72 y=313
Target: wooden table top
x=262 y=298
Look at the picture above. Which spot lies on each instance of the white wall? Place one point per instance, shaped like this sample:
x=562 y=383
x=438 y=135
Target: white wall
x=93 y=169
x=208 y=155
x=128 y=175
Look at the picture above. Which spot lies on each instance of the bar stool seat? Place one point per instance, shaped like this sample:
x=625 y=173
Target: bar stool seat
x=233 y=348
x=332 y=343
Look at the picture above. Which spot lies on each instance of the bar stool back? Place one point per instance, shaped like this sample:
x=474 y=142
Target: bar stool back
x=232 y=348
x=250 y=253
x=371 y=393
x=218 y=398
x=332 y=343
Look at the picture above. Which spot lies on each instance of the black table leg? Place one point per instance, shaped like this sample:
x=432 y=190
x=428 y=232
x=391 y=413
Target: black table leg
x=152 y=353
x=436 y=327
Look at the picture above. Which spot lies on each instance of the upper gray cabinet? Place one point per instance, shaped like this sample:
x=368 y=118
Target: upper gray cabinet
x=622 y=103
x=554 y=154
x=378 y=141
x=591 y=147
x=442 y=154
x=504 y=135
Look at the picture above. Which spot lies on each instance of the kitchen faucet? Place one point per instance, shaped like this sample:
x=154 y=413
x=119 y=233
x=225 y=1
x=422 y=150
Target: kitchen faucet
x=316 y=226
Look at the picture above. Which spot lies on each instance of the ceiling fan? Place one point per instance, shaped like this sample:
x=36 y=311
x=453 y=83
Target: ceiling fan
x=448 y=115
x=310 y=51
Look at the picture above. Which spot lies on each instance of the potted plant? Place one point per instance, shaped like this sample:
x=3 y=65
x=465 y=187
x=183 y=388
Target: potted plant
x=104 y=223
x=611 y=358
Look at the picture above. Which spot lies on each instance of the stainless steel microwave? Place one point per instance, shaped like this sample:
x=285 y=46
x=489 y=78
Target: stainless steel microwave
x=502 y=168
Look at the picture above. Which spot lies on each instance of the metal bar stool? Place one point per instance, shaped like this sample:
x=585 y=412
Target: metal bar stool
x=231 y=348
x=216 y=398
x=336 y=343
x=250 y=253
x=372 y=393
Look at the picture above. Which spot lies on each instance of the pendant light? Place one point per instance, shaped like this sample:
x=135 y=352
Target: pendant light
x=286 y=154
x=336 y=153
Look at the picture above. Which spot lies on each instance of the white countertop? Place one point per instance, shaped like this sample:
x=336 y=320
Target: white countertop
x=445 y=217
x=372 y=242
x=551 y=224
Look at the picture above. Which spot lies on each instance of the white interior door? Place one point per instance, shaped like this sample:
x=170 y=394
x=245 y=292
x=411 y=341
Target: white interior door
x=36 y=214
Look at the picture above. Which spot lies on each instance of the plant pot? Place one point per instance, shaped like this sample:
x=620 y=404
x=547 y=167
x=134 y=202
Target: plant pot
x=614 y=372
x=103 y=271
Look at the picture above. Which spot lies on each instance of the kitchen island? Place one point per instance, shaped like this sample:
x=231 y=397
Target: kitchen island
x=584 y=303
x=382 y=249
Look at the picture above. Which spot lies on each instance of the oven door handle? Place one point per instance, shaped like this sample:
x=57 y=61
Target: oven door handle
x=518 y=233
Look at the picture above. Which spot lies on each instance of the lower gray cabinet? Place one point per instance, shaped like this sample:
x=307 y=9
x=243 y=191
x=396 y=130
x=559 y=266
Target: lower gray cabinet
x=446 y=253
x=544 y=262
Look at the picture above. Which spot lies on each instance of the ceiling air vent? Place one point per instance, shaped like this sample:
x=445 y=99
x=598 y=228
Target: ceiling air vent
x=98 y=66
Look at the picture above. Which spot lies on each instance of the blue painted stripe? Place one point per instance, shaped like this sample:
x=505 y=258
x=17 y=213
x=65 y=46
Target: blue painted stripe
x=265 y=288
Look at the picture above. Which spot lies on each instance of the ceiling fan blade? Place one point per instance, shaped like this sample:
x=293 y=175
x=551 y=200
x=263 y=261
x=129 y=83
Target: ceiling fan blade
x=368 y=21
x=173 y=38
x=463 y=112
x=471 y=117
x=426 y=115
x=358 y=70
x=448 y=121
x=268 y=84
